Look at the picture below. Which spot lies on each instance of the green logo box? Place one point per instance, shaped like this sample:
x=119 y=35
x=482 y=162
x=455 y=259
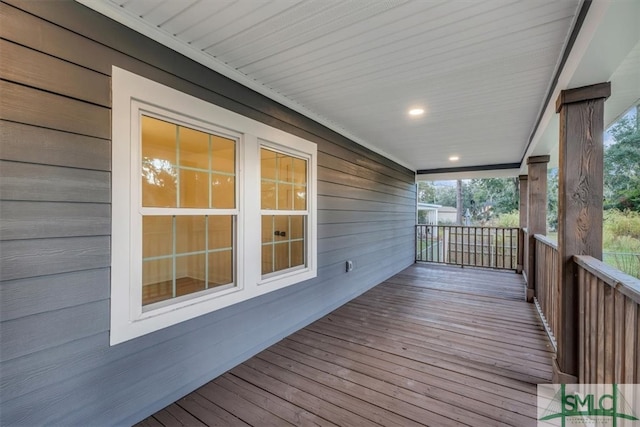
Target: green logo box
x=577 y=405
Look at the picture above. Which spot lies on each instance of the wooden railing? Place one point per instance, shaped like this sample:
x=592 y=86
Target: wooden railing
x=608 y=308
x=608 y=324
x=546 y=284
x=493 y=247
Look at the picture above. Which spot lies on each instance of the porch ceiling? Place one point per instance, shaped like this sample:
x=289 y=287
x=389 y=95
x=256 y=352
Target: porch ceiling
x=481 y=70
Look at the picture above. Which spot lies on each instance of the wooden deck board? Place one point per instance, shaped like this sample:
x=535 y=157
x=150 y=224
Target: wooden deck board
x=433 y=345
x=286 y=410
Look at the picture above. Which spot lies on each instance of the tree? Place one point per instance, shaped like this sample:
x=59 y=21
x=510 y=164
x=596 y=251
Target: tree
x=484 y=199
x=459 y=205
x=444 y=195
x=622 y=166
x=426 y=192
x=494 y=196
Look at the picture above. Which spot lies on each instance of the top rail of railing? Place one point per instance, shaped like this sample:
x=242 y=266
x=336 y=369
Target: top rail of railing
x=547 y=241
x=624 y=283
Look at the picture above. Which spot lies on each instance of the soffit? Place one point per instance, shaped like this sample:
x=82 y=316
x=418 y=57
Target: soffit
x=481 y=70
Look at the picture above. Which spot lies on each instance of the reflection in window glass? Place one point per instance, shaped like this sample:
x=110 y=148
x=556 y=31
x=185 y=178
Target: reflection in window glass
x=194 y=191
x=284 y=181
x=186 y=168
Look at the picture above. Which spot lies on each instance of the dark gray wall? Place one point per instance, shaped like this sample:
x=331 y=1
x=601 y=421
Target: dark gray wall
x=55 y=360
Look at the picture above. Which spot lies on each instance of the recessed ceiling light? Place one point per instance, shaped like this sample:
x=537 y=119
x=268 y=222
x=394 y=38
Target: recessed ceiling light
x=454 y=158
x=416 y=111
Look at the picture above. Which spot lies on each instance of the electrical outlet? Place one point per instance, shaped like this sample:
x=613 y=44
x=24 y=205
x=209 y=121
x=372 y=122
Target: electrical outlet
x=349 y=266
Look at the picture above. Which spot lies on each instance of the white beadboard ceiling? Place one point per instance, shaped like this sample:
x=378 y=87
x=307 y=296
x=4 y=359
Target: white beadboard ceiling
x=480 y=69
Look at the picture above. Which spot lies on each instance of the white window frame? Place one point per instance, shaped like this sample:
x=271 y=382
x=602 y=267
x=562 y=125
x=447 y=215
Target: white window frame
x=134 y=95
x=282 y=276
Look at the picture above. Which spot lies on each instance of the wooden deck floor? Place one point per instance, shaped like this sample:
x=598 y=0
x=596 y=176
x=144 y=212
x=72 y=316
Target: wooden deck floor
x=433 y=345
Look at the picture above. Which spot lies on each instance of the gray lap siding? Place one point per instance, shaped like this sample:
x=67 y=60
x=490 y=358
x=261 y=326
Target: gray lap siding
x=55 y=190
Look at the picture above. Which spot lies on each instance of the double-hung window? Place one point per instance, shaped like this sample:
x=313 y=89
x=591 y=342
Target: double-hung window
x=209 y=208
x=283 y=179
x=188 y=209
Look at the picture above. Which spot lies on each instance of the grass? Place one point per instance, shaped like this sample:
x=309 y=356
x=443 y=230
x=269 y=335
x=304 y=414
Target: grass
x=621 y=240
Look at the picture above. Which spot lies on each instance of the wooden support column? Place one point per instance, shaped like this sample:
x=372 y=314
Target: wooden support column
x=524 y=194
x=536 y=214
x=580 y=192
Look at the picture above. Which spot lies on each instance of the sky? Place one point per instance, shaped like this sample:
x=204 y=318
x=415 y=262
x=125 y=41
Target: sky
x=608 y=139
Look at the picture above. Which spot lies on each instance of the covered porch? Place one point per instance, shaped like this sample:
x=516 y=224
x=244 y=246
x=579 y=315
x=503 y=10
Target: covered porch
x=432 y=345
x=381 y=94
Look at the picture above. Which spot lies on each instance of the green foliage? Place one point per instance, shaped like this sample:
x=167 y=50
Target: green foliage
x=552 y=200
x=621 y=224
x=483 y=198
x=444 y=195
x=622 y=166
x=426 y=192
x=510 y=219
x=501 y=194
x=621 y=236
x=422 y=217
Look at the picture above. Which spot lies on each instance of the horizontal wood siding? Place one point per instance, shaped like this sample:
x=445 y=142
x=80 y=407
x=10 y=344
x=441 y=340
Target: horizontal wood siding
x=55 y=186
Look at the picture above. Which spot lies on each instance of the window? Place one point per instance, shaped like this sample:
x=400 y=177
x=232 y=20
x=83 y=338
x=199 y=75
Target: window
x=209 y=208
x=283 y=180
x=183 y=169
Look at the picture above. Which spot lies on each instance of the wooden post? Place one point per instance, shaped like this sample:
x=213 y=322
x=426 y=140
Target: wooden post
x=580 y=192
x=524 y=193
x=536 y=214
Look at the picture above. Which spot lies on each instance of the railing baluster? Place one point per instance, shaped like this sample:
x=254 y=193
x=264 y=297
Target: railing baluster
x=494 y=231
x=462 y=246
x=424 y=242
x=430 y=236
x=449 y=244
x=419 y=242
x=482 y=246
x=438 y=229
x=459 y=245
x=504 y=253
x=511 y=249
x=434 y=241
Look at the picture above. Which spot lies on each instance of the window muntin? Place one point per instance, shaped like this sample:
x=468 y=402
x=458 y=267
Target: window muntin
x=184 y=254
x=184 y=169
x=283 y=242
x=284 y=213
x=144 y=229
